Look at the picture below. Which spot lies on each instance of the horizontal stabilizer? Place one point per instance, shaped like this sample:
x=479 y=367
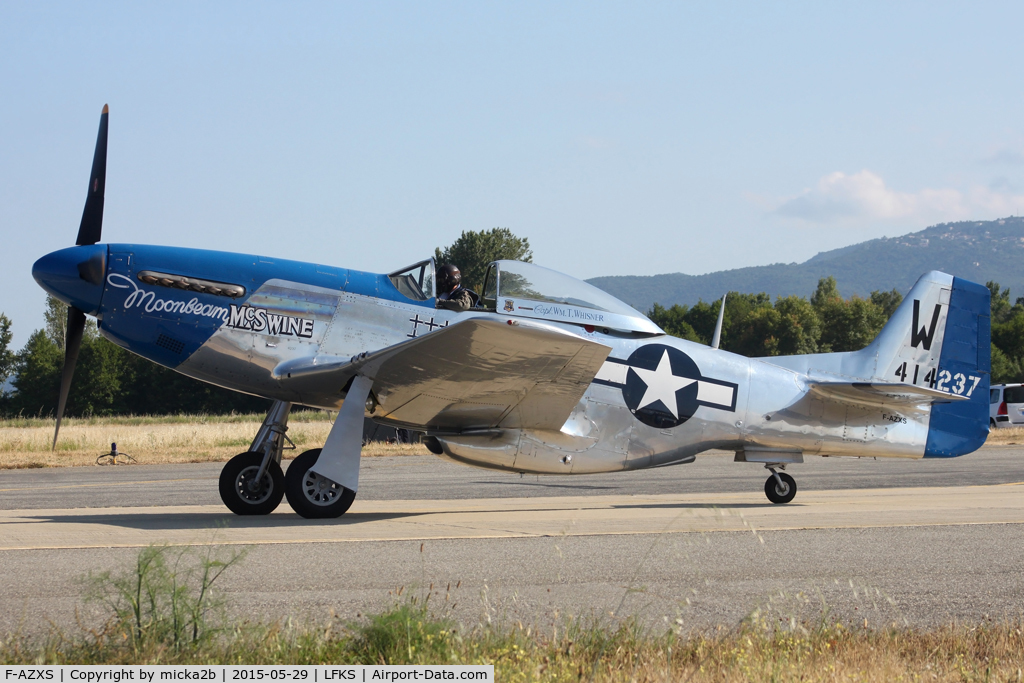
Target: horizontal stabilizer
x=881 y=394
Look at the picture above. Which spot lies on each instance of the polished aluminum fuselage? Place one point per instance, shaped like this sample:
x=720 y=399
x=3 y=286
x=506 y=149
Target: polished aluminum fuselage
x=774 y=413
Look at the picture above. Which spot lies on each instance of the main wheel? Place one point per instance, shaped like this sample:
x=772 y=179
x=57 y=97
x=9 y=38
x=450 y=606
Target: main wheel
x=783 y=493
x=242 y=493
x=313 y=496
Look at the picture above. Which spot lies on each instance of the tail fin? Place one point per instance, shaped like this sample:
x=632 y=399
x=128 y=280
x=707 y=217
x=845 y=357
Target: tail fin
x=939 y=338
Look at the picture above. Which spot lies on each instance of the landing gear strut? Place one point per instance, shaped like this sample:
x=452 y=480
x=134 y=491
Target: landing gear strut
x=780 y=487
x=252 y=483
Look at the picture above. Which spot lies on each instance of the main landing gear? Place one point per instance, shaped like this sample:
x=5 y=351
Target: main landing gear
x=780 y=487
x=252 y=483
x=312 y=495
x=320 y=483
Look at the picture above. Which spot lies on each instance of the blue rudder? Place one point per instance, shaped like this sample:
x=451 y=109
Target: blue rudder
x=961 y=427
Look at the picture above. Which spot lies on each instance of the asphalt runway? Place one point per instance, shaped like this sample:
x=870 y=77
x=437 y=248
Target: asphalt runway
x=698 y=545
x=431 y=478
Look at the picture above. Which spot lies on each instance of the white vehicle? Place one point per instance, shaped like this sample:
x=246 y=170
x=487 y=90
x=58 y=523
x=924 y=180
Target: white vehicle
x=1006 y=405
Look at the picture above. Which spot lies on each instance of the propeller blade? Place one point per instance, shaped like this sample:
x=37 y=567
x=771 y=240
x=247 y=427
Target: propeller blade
x=72 y=344
x=92 y=217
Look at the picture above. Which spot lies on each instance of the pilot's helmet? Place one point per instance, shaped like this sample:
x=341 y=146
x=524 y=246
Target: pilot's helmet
x=448 y=277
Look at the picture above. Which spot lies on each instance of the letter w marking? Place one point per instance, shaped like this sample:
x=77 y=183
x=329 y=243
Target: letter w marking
x=922 y=336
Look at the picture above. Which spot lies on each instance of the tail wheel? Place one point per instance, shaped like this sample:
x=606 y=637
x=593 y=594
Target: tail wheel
x=313 y=496
x=242 y=493
x=780 y=493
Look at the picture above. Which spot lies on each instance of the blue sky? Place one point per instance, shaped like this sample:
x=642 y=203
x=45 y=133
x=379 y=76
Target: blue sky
x=620 y=138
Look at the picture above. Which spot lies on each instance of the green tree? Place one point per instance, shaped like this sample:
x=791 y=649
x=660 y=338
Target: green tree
x=747 y=326
x=1007 y=336
x=703 y=316
x=798 y=328
x=887 y=302
x=473 y=250
x=56 y=317
x=827 y=292
x=1000 y=302
x=94 y=390
x=758 y=328
x=37 y=383
x=151 y=389
x=847 y=325
x=1005 y=370
x=96 y=384
x=754 y=327
x=6 y=355
x=755 y=334
x=673 y=321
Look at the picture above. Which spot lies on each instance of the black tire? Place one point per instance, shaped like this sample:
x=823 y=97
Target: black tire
x=313 y=496
x=783 y=494
x=236 y=490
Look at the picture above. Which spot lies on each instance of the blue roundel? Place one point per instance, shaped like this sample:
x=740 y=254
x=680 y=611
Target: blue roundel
x=661 y=386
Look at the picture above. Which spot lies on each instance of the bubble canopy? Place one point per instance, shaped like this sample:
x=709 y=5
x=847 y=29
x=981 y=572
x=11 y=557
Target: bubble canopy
x=532 y=291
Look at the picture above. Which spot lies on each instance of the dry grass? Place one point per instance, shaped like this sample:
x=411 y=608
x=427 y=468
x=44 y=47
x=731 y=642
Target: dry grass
x=1010 y=436
x=581 y=651
x=25 y=442
x=172 y=439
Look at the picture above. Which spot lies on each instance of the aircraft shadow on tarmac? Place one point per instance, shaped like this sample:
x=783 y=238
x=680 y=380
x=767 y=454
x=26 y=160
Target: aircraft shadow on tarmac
x=537 y=484
x=703 y=506
x=216 y=520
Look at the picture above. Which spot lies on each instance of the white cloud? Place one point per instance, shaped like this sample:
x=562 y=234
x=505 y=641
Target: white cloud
x=840 y=197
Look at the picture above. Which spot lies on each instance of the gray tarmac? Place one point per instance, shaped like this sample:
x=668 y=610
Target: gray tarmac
x=920 y=574
x=431 y=478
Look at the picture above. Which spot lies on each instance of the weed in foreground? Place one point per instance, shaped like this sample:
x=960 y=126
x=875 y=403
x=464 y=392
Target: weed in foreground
x=406 y=634
x=166 y=600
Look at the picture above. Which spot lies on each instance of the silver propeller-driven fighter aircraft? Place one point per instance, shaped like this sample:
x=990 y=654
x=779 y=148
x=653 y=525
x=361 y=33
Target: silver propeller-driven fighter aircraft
x=546 y=375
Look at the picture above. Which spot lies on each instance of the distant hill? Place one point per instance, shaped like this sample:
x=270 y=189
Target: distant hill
x=975 y=250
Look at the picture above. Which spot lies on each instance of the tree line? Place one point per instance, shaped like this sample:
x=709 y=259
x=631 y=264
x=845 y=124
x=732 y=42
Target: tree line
x=112 y=381
x=755 y=326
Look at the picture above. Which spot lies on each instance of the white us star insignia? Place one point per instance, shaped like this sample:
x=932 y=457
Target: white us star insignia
x=662 y=385
x=651 y=379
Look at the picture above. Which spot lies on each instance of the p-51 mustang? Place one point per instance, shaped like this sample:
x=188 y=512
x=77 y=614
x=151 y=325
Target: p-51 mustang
x=547 y=375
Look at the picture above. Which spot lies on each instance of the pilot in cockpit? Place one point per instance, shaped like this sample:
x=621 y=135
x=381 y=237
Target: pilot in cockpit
x=451 y=294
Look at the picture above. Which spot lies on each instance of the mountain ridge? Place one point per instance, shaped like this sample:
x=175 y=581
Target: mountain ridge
x=974 y=250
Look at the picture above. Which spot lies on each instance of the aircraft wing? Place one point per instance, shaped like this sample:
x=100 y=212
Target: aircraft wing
x=475 y=374
x=881 y=394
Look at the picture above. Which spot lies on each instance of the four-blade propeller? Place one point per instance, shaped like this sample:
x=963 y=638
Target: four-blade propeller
x=89 y=232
